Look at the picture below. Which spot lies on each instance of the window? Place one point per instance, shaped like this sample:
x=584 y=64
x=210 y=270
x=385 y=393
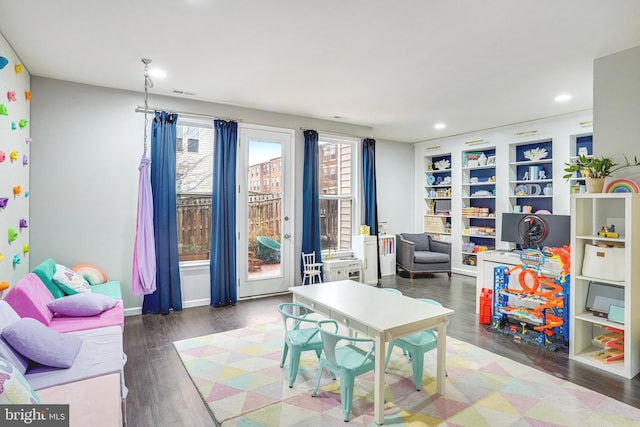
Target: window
x=179 y=138
x=338 y=190
x=193 y=139
x=194 y=183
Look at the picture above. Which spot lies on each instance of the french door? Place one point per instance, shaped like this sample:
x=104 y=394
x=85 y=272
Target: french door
x=264 y=208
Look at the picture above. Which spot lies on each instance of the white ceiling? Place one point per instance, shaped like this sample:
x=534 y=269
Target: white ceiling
x=397 y=66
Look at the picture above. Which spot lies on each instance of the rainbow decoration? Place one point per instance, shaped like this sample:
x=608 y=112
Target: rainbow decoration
x=622 y=185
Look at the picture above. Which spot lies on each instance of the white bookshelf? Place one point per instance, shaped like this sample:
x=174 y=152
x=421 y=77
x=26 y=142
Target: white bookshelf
x=589 y=213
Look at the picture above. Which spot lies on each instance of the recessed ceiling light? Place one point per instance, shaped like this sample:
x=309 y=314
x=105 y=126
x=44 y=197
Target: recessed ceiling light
x=563 y=98
x=439 y=126
x=157 y=73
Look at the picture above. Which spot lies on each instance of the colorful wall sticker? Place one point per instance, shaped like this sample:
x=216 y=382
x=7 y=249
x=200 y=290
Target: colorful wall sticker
x=25 y=248
x=17 y=190
x=23 y=123
x=14 y=126
x=4 y=286
x=3 y=202
x=13 y=155
x=27 y=95
x=25 y=160
x=3 y=110
x=27 y=140
x=3 y=156
x=12 y=234
x=23 y=223
x=3 y=62
x=11 y=96
x=16 y=259
x=18 y=68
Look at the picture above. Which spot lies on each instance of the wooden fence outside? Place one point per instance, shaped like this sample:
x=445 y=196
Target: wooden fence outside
x=194 y=222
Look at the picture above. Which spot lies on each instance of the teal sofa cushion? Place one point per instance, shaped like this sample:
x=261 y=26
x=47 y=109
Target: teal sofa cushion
x=110 y=289
x=45 y=272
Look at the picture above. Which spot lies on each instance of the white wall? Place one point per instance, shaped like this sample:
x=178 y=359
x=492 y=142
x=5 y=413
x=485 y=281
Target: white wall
x=395 y=181
x=616 y=108
x=85 y=176
x=14 y=173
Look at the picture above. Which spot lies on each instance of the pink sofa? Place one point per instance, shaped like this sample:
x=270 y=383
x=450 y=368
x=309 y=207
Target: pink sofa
x=29 y=298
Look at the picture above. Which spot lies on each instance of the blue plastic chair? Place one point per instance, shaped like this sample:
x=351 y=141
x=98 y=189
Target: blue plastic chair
x=300 y=335
x=392 y=290
x=345 y=361
x=416 y=345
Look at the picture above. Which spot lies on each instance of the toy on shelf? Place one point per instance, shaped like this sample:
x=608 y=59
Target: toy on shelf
x=609 y=231
x=536 y=313
x=613 y=343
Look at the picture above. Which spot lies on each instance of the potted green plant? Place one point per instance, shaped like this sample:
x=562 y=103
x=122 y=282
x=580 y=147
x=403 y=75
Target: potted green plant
x=594 y=170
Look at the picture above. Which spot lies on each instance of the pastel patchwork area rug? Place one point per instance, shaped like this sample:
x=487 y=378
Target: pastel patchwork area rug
x=239 y=377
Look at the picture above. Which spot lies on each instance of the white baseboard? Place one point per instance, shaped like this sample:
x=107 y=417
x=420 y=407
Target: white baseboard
x=133 y=311
x=464 y=272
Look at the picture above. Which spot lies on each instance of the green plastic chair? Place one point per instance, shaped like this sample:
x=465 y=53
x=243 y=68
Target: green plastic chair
x=345 y=361
x=300 y=335
x=416 y=345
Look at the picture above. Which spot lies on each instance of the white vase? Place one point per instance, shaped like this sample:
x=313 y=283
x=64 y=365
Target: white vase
x=482 y=159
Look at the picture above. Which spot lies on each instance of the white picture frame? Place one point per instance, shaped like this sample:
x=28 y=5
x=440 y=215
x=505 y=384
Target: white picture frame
x=491 y=160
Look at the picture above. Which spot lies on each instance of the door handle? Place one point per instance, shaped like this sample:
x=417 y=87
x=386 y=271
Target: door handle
x=286 y=236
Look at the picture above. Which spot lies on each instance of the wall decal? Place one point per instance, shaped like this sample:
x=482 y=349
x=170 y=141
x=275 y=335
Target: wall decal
x=12 y=234
x=15 y=128
x=26 y=194
x=4 y=286
x=1 y=257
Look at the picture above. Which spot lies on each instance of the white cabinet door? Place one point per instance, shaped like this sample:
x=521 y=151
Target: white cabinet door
x=366 y=249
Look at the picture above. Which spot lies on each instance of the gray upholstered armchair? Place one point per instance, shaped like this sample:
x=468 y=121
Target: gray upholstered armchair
x=419 y=253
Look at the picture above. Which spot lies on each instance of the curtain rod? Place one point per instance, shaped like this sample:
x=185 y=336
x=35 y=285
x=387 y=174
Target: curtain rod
x=336 y=133
x=141 y=109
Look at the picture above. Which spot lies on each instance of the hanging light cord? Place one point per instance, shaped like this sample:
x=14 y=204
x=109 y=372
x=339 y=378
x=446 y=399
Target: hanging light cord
x=148 y=83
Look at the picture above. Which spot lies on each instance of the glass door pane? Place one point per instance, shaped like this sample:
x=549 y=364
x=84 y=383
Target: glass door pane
x=264 y=209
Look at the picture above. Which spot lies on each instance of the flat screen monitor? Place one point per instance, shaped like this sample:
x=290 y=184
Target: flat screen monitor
x=558 y=230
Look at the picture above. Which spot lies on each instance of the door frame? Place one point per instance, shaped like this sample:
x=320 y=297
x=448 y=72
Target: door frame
x=281 y=283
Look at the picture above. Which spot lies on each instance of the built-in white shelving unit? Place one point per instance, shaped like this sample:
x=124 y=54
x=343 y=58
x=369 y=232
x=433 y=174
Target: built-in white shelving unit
x=478 y=213
x=437 y=196
x=589 y=213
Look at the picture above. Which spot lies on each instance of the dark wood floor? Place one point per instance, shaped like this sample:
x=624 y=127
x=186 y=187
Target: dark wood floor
x=162 y=394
